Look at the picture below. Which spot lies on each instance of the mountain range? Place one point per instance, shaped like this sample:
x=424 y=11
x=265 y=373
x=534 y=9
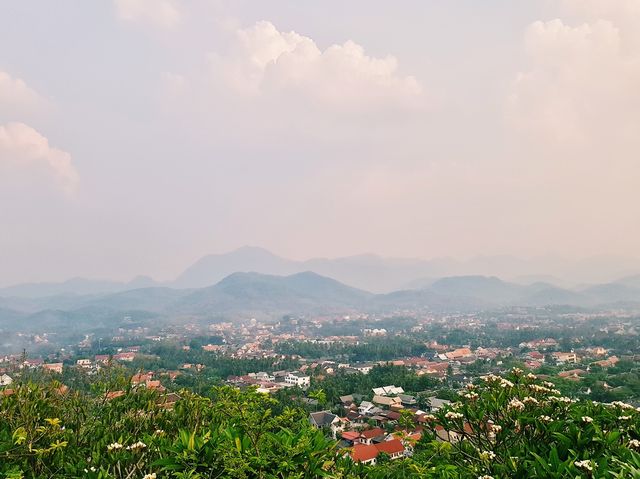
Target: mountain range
x=242 y=295
x=368 y=272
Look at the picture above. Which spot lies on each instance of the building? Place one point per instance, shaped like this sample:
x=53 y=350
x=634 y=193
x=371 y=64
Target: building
x=322 y=419
x=53 y=367
x=367 y=453
x=297 y=378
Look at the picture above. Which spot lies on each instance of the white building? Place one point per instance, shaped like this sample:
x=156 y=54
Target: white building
x=298 y=379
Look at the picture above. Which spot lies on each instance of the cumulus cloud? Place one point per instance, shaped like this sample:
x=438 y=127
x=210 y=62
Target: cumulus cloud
x=159 y=13
x=264 y=61
x=17 y=96
x=582 y=81
x=23 y=148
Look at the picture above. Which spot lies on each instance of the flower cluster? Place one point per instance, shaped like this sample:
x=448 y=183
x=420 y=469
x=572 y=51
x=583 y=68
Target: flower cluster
x=487 y=455
x=137 y=447
x=586 y=465
x=516 y=404
x=453 y=415
x=114 y=446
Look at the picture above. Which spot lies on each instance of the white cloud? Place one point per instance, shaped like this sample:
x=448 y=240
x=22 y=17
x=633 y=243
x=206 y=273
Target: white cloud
x=159 y=13
x=582 y=84
x=16 y=96
x=266 y=62
x=22 y=147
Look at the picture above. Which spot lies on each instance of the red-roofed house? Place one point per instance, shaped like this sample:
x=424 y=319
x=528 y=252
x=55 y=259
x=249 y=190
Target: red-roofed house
x=364 y=453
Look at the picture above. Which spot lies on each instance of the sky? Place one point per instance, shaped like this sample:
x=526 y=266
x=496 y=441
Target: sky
x=138 y=135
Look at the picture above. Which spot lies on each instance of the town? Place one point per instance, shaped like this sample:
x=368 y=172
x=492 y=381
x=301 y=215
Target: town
x=373 y=390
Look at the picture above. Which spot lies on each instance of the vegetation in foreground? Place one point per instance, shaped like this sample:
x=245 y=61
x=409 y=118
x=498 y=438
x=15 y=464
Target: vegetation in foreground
x=503 y=427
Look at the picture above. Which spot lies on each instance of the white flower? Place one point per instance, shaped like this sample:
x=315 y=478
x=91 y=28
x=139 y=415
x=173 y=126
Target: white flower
x=549 y=384
x=487 y=455
x=486 y=476
x=634 y=444
x=136 y=447
x=516 y=371
x=532 y=376
x=114 y=446
x=470 y=386
x=624 y=418
x=506 y=383
x=496 y=428
x=530 y=400
x=429 y=417
x=587 y=419
x=586 y=465
x=150 y=476
x=453 y=415
x=515 y=404
x=472 y=396
x=622 y=405
x=545 y=419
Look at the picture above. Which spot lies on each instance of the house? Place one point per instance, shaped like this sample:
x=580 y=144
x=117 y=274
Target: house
x=102 y=358
x=365 y=407
x=394 y=448
x=297 y=378
x=573 y=374
x=388 y=390
x=167 y=401
x=33 y=363
x=5 y=380
x=53 y=368
x=370 y=435
x=407 y=400
x=459 y=353
x=367 y=453
x=364 y=453
x=387 y=401
x=607 y=363
x=262 y=376
x=433 y=404
x=129 y=356
x=140 y=378
x=352 y=437
x=562 y=358
x=363 y=368
x=322 y=419
x=83 y=363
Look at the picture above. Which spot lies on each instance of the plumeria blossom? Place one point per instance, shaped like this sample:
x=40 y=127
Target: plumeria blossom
x=453 y=415
x=587 y=419
x=634 y=444
x=114 y=446
x=586 y=465
x=150 y=476
x=515 y=403
x=487 y=455
x=136 y=447
x=486 y=476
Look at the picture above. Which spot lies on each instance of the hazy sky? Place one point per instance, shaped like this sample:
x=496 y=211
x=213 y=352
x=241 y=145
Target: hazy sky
x=138 y=135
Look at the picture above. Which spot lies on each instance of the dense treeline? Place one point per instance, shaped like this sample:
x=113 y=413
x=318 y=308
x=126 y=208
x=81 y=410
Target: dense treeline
x=373 y=349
